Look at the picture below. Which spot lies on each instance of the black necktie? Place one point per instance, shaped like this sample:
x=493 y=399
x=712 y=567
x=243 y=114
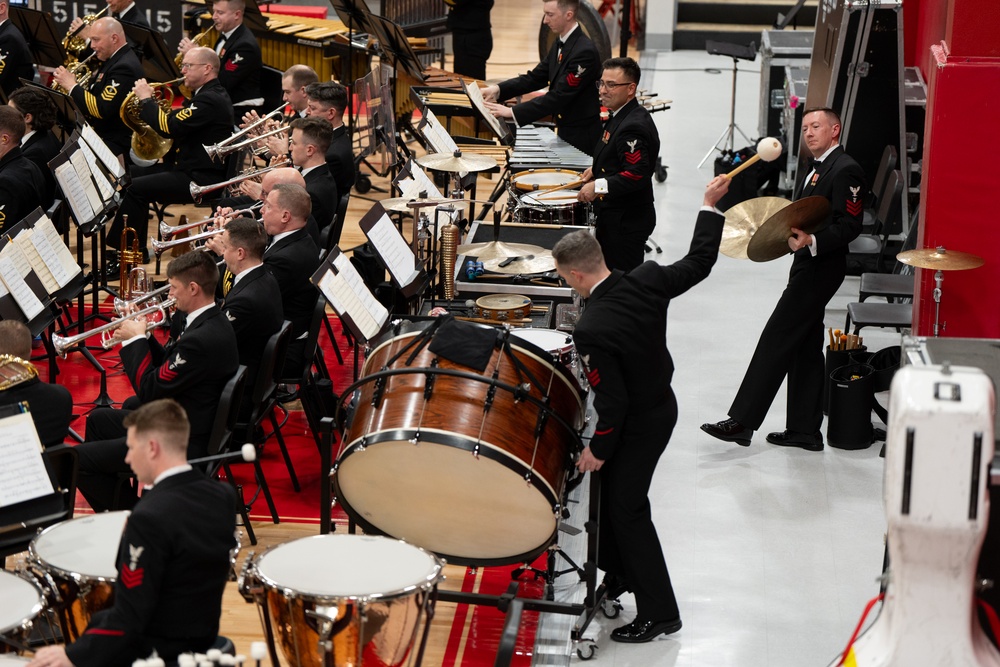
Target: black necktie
x=116 y=15
x=814 y=163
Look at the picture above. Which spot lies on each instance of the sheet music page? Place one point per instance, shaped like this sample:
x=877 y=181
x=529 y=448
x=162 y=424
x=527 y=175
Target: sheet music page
x=437 y=136
x=73 y=188
x=476 y=97
x=25 y=298
x=22 y=475
x=79 y=161
x=35 y=260
x=103 y=184
x=349 y=296
x=391 y=246
x=97 y=145
x=44 y=229
x=14 y=252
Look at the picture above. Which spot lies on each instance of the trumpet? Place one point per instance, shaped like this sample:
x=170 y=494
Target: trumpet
x=125 y=306
x=169 y=231
x=62 y=344
x=160 y=247
x=213 y=149
x=219 y=151
x=199 y=191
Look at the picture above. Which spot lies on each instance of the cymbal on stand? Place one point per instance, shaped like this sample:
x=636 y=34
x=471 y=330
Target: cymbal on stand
x=771 y=240
x=524 y=264
x=940 y=259
x=499 y=250
x=742 y=222
x=456 y=162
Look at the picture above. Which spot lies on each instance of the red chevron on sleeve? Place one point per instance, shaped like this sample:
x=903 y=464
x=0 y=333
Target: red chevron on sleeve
x=854 y=208
x=629 y=175
x=105 y=631
x=231 y=66
x=143 y=365
x=605 y=431
x=573 y=80
x=166 y=374
x=131 y=578
x=633 y=157
x=594 y=378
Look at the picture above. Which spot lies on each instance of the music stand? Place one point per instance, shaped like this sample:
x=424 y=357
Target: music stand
x=393 y=42
x=39 y=31
x=68 y=115
x=252 y=17
x=737 y=52
x=157 y=61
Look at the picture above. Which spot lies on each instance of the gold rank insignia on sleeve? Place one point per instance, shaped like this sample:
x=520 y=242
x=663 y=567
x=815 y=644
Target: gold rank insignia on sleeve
x=184 y=114
x=3 y=62
x=3 y=216
x=109 y=92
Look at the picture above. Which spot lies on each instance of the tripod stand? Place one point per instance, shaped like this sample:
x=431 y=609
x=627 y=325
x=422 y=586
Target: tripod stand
x=736 y=52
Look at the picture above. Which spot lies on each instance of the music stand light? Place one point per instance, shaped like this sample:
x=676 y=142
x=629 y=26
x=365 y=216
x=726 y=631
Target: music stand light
x=157 y=61
x=737 y=52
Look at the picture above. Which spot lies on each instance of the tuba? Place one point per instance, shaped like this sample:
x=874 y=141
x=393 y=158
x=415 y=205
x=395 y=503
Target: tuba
x=147 y=143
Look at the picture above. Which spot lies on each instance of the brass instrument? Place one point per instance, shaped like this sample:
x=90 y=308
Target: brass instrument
x=168 y=231
x=80 y=72
x=62 y=344
x=218 y=151
x=15 y=370
x=73 y=44
x=199 y=191
x=132 y=277
x=213 y=150
x=125 y=306
x=147 y=143
x=160 y=247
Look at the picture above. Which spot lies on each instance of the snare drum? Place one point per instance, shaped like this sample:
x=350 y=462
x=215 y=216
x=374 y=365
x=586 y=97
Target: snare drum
x=76 y=561
x=560 y=345
x=537 y=179
x=369 y=596
x=21 y=601
x=559 y=207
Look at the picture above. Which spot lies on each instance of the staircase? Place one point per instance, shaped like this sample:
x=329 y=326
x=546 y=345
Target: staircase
x=736 y=21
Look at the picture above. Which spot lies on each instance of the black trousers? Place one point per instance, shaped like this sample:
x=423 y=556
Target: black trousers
x=158 y=183
x=629 y=545
x=623 y=233
x=472 y=50
x=102 y=462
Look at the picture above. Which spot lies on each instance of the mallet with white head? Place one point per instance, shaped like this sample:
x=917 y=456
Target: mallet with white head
x=768 y=150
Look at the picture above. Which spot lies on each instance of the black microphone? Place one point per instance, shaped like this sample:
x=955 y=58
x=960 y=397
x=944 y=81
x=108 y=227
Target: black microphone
x=247 y=452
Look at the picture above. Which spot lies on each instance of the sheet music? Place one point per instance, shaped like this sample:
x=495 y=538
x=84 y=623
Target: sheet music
x=11 y=277
x=436 y=135
x=22 y=475
x=418 y=182
x=35 y=260
x=75 y=190
x=68 y=268
x=79 y=161
x=476 y=97
x=392 y=248
x=103 y=184
x=348 y=294
x=97 y=145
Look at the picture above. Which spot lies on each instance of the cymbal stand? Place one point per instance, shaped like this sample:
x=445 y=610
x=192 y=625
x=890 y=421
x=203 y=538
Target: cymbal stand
x=729 y=133
x=938 y=281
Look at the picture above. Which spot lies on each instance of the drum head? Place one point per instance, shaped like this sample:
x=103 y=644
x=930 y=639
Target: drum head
x=347 y=566
x=21 y=601
x=86 y=545
x=550 y=340
x=553 y=199
x=535 y=179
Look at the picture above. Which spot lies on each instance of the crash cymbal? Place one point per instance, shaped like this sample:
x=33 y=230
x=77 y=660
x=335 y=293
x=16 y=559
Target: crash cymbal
x=941 y=259
x=534 y=263
x=498 y=249
x=457 y=161
x=406 y=204
x=397 y=204
x=770 y=241
x=743 y=220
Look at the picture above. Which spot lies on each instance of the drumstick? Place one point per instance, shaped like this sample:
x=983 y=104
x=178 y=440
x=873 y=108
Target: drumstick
x=830 y=332
x=553 y=188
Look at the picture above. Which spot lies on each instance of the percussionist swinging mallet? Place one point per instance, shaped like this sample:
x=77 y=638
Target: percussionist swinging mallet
x=768 y=150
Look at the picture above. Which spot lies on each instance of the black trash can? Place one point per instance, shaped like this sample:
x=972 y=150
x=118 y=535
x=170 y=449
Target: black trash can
x=834 y=360
x=849 y=425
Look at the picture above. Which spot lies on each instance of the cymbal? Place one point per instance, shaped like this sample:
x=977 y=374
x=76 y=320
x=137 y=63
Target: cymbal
x=457 y=162
x=402 y=204
x=771 y=239
x=743 y=220
x=534 y=263
x=941 y=259
x=498 y=249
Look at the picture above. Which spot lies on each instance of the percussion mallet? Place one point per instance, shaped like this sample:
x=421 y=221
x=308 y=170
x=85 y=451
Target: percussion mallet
x=258 y=651
x=247 y=452
x=768 y=150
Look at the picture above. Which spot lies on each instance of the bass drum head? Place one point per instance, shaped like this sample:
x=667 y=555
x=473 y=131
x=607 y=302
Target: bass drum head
x=592 y=25
x=22 y=601
x=83 y=546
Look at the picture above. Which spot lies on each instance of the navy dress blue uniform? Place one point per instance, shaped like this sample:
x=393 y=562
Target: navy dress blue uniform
x=193 y=370
x=340 y=160
x=132 y=15
x=173 y=564
x=570 y=71
x=626 y=157
x=292 y=261
x=621 y=339
x=101 y=101
x=792 y=340
x=324 y=194
x=15 y=58
x=41 y=147
x=22 y=187
x=471 y=36
x=241 y=60
x=50 y=405
x=205 y=119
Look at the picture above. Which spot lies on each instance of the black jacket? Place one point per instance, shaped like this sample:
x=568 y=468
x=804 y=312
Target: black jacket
x=253 y=308
x=22 y=187
x=50 y=405
x=325 y=196
x=15 y=58
x=101 y=101
x=340 y=159
x=241 y=65
x=40 y=148
x=135 y=16
x=292 y=261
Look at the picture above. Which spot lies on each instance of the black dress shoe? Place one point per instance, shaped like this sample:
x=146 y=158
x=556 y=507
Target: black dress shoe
x=812 y=442
x=729 y=430
x=614 y=586
x=639 y=631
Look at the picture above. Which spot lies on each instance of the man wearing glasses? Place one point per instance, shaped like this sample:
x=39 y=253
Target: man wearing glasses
x=620 y=182
x=569 y=70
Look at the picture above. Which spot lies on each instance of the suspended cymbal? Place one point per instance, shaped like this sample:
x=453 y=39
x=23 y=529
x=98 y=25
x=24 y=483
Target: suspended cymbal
x=770 y=241
x=743 y=220
x=941 y=259
x=405 y=204
x=397 y=204
x=534 y=263
x=457 y=162
x=498 y=249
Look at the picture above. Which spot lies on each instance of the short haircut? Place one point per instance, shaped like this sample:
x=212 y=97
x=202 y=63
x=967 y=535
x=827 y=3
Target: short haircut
x=626 y=65
x=15 y=338
x=569 y=5
x=248 y=234
x=195 y=267
x=240 y=5
x=294 y=199
x=12 y=122
x=316 y=131
x=830 y=114
x=301 y=75
x=167 y=418
x=205 y=56
x=38 y=104
x=580 y=251
x=328 y=93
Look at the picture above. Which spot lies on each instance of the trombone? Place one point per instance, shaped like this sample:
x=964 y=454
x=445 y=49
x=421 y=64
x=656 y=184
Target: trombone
x=220 y=151
x=62 y=344
x=199 y=191
x=213 y=148
x=169 y=231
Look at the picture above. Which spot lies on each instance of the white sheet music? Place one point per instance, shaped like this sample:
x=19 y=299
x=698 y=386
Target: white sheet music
x=75 y=190
x=79 y=161
x=392 y=248
x=436 y=135
x=22 y=475
x=35 y=261
x=476 y=97
x=12 y=279
x=347 y=293
x=68 y=268
x=103 y=152
x=103 y=184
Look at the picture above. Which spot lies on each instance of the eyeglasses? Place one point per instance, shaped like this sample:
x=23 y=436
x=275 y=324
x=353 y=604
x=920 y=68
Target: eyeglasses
x=185 y=66
x=610 y=85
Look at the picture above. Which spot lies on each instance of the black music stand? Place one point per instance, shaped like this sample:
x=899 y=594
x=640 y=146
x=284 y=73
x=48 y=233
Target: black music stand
x=252 y=17
x=356 y=16
x=737 y=52
x=39 y=31
x=157 y=62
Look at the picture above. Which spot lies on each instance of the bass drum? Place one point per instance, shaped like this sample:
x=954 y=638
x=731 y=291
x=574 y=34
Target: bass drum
x=591 y=23
x=450 y=459
x=21 y=601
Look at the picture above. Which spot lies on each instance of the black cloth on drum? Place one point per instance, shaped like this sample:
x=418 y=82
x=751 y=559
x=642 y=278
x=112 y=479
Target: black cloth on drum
x=464 y=343
x=41 y=147
x=101 y=101
x=173 y=565
x=620 y=339
x=239 y=72
x=572 y=98
x=626 y=157
x=323 y=192
x=292 y=261
x=50 y=405
x=17 y=61
x=340 y=159
x=22 y=187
